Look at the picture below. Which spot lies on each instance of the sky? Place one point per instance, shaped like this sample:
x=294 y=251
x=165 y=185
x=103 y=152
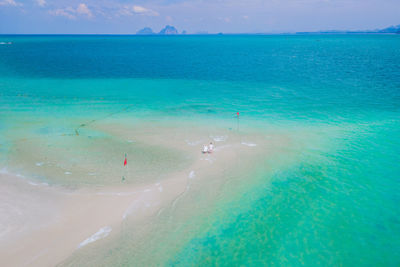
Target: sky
x=194 y=16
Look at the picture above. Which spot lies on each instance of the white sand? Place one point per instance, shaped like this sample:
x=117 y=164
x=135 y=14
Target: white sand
x=43 y=225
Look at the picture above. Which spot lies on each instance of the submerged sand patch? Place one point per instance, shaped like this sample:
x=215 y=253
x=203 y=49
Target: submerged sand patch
x=166 y=174
x=95 y=160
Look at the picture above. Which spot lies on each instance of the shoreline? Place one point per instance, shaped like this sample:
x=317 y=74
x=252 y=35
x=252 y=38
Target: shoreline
x=85 y=215
x=73 y=217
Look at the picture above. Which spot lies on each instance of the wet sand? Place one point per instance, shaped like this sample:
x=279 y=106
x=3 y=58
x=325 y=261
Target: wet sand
x=48 y=224
x=47 y=220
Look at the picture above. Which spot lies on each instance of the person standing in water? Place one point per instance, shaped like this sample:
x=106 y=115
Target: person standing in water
x=210 y=148
x=205 y=149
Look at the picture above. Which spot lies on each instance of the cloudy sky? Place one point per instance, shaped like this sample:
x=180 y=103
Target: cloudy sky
x=229 y=16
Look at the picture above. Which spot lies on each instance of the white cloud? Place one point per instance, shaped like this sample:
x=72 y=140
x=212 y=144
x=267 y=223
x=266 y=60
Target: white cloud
x=144 y=11
x=71 y=13
x=125 y=11
x=63 y=12
x=84 y=10
x=9 y=3
x=128 y=10
x=41 y=2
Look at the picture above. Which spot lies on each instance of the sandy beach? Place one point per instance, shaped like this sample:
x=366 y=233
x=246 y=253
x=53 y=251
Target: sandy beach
x=47 y=221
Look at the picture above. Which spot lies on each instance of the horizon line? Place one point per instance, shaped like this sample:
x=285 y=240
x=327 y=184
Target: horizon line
x=218 y=34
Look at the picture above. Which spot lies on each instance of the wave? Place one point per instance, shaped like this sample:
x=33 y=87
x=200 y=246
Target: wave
x=102 y=233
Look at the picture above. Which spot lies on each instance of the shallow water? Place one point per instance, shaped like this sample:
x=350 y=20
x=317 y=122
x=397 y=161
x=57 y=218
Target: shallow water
x=330 y=199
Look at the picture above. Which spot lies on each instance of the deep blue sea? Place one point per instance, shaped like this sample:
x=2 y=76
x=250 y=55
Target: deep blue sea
x=336 y=203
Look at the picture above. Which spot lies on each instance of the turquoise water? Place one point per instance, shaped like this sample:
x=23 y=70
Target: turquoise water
x=335 y=202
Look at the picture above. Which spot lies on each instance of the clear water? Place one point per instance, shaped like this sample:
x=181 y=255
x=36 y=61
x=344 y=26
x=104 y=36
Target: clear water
x=335 y=202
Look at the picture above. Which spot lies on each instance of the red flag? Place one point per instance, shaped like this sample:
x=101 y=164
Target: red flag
x=237 y=114
x=125 y=162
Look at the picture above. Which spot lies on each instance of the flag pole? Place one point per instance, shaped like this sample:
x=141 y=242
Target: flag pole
x=125 y=169
x=237 y=113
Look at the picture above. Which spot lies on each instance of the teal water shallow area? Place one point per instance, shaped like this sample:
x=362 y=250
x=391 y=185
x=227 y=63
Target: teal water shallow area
x=330 y=198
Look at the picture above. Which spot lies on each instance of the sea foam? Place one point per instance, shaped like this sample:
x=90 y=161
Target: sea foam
x=102 y=233
x=219 y=138
x=248 y=144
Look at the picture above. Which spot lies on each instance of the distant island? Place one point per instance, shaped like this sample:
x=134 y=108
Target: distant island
x=145 y=31
x=171 y=30
x=391 y=29
x=167 y=30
